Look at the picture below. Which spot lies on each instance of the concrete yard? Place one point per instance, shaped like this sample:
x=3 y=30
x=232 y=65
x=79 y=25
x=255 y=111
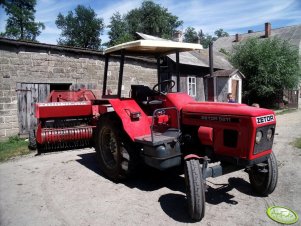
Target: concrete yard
x=67 y=188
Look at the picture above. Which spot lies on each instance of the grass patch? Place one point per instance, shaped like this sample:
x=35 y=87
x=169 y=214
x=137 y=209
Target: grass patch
x=13 y=147
x=297 y=143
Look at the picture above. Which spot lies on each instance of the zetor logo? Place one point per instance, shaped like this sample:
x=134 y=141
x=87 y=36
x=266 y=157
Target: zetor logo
x=264 y=119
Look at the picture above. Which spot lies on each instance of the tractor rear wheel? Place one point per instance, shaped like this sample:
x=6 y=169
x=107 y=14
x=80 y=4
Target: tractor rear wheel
x=195 y=191
x=264 y=181
x=114 y=150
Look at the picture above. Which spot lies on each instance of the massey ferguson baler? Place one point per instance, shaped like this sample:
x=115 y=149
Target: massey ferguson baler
x=162 y=129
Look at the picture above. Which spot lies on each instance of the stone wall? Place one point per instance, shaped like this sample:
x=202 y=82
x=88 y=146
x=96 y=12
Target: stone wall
x=22 y=62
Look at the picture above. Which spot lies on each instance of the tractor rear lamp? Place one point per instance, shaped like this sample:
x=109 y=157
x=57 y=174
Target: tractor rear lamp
x=258 y=136
x=270 y=134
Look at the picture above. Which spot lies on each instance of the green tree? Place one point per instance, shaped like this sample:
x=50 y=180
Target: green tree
x=190 y=35
x=205 y=39
x=150 y=18
x=21 y=23
x=269 y=65
x=81 y=28
x=118 y=32
x=221 y=33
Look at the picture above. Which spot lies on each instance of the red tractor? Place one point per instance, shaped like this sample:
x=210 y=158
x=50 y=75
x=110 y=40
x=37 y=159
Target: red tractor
x=163 y=129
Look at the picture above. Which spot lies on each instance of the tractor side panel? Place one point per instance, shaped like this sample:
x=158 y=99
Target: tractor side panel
x=132 y=126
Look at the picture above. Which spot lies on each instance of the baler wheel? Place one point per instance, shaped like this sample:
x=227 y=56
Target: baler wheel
x=195 y=190
x=114 y=150
x=32 y=141
x=264 y=181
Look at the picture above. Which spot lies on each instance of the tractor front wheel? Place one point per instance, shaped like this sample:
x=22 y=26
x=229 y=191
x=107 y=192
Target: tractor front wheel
x=114 y=151
x=195 y=191
x=264 y=178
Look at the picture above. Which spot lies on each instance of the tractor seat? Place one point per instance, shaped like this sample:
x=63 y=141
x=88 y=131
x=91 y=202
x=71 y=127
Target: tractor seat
x=142 y=94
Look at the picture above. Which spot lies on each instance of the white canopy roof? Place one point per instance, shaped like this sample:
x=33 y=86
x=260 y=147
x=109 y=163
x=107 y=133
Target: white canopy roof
x=153 y=47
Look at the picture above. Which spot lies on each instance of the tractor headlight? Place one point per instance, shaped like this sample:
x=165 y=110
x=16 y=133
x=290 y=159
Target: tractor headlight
x=270 y=134
x=258 y=136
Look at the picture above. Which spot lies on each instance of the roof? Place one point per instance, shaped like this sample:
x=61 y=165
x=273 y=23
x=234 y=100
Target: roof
x=290 y=33
x=162 y=47
x=226 y=73
x=18 y=43
x=201 y=58
x=197 y=57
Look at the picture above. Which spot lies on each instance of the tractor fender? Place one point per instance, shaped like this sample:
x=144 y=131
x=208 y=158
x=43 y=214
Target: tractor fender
x=134 y=127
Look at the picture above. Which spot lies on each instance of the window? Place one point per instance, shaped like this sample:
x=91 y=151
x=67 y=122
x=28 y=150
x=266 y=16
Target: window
x=191 y=86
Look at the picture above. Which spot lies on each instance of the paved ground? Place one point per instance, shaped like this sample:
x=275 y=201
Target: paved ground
x=67 y=188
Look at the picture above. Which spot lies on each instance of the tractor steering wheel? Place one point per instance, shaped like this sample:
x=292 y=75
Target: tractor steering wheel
x=170 y=84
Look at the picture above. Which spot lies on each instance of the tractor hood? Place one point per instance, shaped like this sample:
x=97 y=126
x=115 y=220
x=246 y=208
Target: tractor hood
x=217 y=108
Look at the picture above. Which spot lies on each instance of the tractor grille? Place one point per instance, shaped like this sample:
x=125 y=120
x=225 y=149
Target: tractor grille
x=264 y=144
x=230 y=138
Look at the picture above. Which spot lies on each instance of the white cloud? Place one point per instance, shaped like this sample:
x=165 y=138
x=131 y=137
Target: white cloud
x=122 y=7
x=233 y=14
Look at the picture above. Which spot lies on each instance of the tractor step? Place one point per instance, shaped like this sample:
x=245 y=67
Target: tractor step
x=158 y=138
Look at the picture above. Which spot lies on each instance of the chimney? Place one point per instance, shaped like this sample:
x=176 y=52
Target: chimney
x=177 y=37
x=237 y=38
x=250 y=31
x=267 y=30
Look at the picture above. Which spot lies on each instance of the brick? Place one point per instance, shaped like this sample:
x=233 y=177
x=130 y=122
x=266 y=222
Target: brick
x=10 y=107
x=58 y=70
x=4 y=60
x=5 y=99
x=9 y=119
x=12 y=132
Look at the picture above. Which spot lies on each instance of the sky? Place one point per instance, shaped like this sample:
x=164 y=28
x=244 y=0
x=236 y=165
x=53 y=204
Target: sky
x=234 y=16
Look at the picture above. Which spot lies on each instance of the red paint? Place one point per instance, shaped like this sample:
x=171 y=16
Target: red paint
x=63 y=109
x=136 y=128
x=205 y=135
x=192 y=156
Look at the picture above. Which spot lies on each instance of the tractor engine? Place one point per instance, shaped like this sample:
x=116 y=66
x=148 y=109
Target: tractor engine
x=230 y=132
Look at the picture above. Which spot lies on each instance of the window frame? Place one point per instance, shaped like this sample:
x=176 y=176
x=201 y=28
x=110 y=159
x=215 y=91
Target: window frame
x=193 y=84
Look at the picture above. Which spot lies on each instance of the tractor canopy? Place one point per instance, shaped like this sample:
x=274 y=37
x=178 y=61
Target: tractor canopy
x=148 y=48
x=152 y=47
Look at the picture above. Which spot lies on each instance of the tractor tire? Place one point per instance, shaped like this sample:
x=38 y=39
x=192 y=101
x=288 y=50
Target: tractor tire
x=32 y=141
x=115 y=151
x=264 y=183
x=195 y=190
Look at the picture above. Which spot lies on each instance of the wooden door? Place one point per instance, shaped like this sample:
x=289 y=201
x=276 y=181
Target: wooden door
x=235 y=90
x=28 y=95
x=210 y=88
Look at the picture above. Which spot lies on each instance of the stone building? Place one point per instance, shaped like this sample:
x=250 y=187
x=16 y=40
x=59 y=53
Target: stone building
x=30 y=71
